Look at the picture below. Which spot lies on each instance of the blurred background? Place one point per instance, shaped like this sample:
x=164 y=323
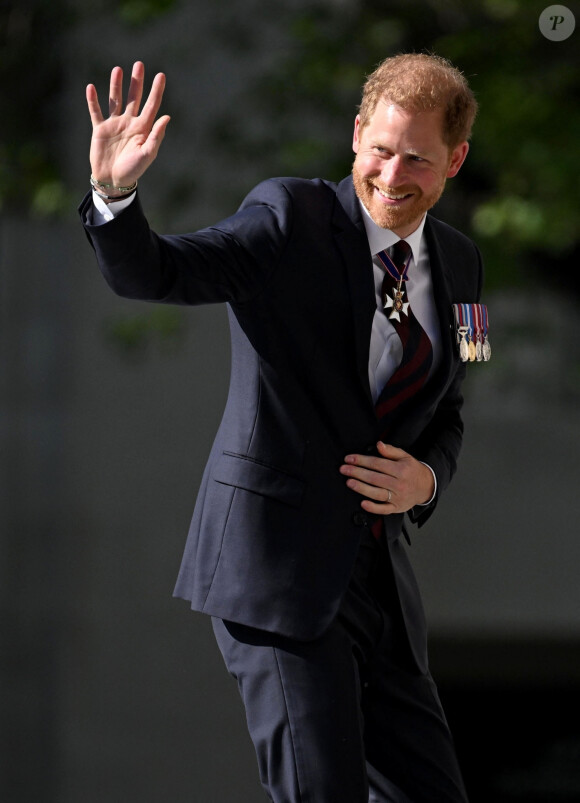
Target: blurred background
x=110 y=690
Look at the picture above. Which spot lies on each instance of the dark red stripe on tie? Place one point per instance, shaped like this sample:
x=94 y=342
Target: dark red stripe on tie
x=377 y=528
x=413 y=370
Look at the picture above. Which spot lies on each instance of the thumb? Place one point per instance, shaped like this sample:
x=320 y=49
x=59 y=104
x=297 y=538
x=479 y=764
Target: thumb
x=390 y=452
x=156 y=135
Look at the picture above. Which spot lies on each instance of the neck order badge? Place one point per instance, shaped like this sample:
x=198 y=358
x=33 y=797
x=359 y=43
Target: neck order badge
x=397 y=268
x=413 y=370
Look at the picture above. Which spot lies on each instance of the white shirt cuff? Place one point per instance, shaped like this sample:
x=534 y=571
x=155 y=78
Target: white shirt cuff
x=105 y=212
x=424 y=504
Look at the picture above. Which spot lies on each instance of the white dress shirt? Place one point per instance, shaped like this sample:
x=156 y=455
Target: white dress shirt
x=386 y=349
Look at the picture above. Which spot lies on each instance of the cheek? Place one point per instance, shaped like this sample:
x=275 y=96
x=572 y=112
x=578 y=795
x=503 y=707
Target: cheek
x=431 y=180
x=367 y=165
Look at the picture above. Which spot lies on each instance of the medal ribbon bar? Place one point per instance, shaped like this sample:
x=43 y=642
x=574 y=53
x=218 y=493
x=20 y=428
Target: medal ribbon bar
x=472 y=326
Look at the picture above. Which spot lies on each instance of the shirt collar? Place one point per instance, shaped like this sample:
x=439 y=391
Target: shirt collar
x=379 y=238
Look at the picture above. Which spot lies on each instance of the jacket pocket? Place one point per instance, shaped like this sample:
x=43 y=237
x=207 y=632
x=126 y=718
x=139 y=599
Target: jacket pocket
x=252 y=475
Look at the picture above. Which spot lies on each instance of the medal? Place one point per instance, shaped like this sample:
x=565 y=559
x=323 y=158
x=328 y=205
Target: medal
x=478 y=334
x=471 y=326
x=486 y=349
x=462 y=340
x=397 y=301
x=468 y=318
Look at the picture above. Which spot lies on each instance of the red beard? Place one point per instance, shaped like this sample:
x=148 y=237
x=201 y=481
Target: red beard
x=402 y=219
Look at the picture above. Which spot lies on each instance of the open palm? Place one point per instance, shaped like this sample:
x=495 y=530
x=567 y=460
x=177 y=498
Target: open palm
x=124 y=144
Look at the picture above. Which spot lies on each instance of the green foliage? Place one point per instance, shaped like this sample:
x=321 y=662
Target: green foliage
x=525 y=142
x=32 y=65
x=29 y=179
x=517 y=193
x=135 y=334
x=139 y=12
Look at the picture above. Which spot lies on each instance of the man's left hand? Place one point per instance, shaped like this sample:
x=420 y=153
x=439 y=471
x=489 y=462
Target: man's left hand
x=394 y=482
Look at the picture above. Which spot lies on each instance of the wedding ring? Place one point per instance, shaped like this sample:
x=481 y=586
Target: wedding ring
x=389 y=497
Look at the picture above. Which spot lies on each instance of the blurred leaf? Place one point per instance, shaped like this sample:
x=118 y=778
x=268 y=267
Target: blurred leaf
x=139 y=12
x=50 y=199
x=510 y=216
x=135 y=333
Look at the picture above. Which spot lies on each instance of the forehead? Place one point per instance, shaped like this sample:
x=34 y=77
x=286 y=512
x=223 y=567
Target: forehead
x=423 y=127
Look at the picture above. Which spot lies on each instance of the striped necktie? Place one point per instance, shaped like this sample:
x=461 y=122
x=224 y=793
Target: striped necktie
x=413 y=370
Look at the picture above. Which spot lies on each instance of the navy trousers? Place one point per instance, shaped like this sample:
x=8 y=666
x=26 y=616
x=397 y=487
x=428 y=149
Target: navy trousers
x=346 y=718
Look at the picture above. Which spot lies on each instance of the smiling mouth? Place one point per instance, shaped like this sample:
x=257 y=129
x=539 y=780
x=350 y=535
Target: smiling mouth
x=393 y=197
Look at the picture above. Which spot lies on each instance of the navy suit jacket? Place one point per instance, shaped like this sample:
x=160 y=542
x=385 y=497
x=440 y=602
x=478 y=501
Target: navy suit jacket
x=275 y=530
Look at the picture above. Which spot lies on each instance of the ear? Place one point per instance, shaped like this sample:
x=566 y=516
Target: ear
x=457 y=158
x=356 y=134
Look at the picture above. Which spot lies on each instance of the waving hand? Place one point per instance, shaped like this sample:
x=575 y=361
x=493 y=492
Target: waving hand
x=124 y=144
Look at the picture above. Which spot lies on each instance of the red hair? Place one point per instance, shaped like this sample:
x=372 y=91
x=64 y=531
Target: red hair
x=422 y=82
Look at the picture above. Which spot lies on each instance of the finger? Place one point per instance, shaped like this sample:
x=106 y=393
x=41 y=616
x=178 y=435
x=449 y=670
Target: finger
x=135 y=88
x=370 y=491
x=379 y=464
x=153 y=102
x=378 y=478
x=378 y=508
x=116 y=92
x=93 y=104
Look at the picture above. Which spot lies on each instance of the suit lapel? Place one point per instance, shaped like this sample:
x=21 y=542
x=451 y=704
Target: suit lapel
x=442 y=278
x=404 y=429
x=351 y=239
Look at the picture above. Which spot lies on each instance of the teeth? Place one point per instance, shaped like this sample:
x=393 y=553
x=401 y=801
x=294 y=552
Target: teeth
x=392 y=196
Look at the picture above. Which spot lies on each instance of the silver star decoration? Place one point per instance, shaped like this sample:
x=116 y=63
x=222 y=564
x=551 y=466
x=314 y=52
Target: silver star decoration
x=390 y=302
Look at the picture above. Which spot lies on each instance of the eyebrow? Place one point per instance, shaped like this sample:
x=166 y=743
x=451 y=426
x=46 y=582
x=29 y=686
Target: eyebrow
x=422 y=154
x=429 y=155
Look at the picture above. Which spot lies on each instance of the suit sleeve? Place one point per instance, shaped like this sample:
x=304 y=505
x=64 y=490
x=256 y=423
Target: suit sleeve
x=231 y=261
x=440 y=442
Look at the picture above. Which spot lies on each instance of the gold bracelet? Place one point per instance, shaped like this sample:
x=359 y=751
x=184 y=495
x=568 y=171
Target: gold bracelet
x=100 y=185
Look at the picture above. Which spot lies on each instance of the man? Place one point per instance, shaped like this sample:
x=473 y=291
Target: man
x=343 y=414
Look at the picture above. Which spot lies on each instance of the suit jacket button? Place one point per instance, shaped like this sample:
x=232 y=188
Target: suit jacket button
x=370 y=449
x=359 y=519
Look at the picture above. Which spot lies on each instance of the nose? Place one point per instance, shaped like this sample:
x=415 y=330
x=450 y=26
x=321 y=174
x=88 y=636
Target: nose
x=394 y=172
